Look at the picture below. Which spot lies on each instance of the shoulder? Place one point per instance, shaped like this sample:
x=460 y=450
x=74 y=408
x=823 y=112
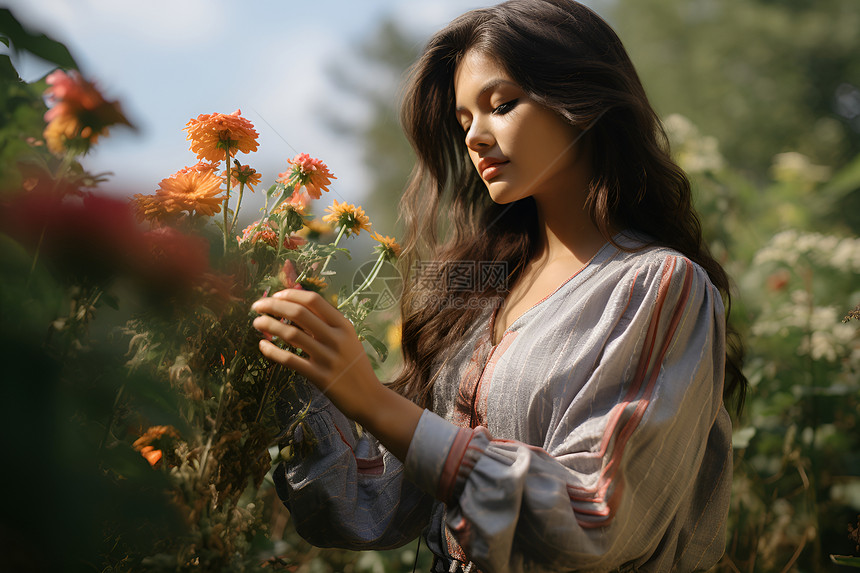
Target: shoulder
x=646 y=266
x=635 y=278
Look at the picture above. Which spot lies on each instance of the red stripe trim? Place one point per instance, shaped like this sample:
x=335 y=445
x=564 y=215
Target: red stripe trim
x=452 y=464
x=608 y=473
x=364 y=466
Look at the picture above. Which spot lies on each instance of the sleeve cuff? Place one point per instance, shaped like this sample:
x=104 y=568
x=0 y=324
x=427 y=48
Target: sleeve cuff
x=439 y=459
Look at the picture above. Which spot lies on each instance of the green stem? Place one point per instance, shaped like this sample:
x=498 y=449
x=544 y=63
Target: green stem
x=227 y=200
x=304 y=273
x=112 y=417
x=238 y=204
x=334 y=245
x=36 y=254
x=370 y=278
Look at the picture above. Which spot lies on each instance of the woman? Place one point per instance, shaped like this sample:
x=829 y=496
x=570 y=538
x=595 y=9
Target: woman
x=569 y=416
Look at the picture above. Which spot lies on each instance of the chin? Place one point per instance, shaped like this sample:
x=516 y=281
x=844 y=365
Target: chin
x=501 y=196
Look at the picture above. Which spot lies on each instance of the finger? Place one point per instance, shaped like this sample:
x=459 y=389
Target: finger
x=288 y=359
x=300 y=315
x=291 y=335
x=315 y=302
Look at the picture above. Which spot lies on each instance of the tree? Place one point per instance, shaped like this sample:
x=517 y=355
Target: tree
x=383 y=58
x=762 y=76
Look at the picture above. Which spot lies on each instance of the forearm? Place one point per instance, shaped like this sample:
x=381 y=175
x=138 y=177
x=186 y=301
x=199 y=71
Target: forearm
x=391 y=419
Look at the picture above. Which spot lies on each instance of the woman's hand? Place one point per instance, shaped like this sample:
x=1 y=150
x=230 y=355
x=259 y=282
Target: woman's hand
x=335 y=361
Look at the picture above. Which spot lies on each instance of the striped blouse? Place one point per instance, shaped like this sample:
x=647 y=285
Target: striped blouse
x=592 y=437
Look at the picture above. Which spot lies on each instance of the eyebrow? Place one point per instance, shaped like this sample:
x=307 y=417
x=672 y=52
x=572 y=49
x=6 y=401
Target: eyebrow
x=492 y=84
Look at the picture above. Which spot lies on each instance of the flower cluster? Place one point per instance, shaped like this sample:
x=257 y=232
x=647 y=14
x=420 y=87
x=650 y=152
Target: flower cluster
x=265 y=232
x=695 y=152
x=789 y=247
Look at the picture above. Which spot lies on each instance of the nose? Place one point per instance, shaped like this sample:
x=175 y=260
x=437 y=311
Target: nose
x=479 y=136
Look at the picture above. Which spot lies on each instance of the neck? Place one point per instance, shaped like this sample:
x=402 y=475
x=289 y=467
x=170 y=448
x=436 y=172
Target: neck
x=566 y=229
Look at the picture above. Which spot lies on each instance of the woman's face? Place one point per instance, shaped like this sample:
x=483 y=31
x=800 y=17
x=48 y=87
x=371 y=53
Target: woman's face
x=519 y=147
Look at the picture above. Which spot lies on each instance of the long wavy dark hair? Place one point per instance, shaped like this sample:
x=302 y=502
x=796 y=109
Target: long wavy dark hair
x=565 y=57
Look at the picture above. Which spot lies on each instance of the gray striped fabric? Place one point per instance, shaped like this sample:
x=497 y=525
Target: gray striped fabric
x=592 y=436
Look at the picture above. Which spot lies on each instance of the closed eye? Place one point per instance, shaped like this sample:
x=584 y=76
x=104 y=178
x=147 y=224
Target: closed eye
x=505 y=107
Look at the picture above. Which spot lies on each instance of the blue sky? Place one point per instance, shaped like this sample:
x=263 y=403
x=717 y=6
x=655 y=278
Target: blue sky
x=170 y=60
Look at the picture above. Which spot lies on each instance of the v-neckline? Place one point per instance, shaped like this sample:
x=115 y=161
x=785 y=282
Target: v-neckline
x=495 y=313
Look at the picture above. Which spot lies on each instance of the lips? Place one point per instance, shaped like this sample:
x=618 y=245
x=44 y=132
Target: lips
x=489 y=167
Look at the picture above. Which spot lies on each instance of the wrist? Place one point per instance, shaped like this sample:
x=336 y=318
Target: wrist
x=391 y=419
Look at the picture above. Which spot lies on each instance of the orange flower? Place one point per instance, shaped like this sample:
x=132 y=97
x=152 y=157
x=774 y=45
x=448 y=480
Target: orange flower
x=349 y=216
x=213 y=135
x=244 y=174
x=268 y=235
x=264 y=233
x=299 y=202
x=387 y=246
x=192 y=189
x=79 y=114
x=153 y=435
x=315 y=284
x=307 y=172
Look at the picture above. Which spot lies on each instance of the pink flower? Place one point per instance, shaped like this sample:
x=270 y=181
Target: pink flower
x=307 y=172
x=288 y=275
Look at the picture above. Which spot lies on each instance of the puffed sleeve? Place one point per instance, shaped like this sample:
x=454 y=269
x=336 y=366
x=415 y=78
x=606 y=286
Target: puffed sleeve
x=348 y=491
x=635 y=465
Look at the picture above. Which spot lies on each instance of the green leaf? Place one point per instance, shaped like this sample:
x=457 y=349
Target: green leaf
x=37 y=44
x=847 y=560
x=379 y=346
x=111 y=300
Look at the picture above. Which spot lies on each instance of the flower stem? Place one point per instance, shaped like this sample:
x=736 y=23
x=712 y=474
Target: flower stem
x=227 y=200
x=238 y=204
x=370 y=278
x=36 y=254
x=335 y=244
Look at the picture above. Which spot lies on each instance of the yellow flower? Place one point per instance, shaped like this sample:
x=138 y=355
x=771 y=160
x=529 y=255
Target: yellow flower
x=349 y=216
x=393 y=335
x=307 y=172
x=387 y=246
x=212 y=135
x=192 y=189
x=315 y=284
